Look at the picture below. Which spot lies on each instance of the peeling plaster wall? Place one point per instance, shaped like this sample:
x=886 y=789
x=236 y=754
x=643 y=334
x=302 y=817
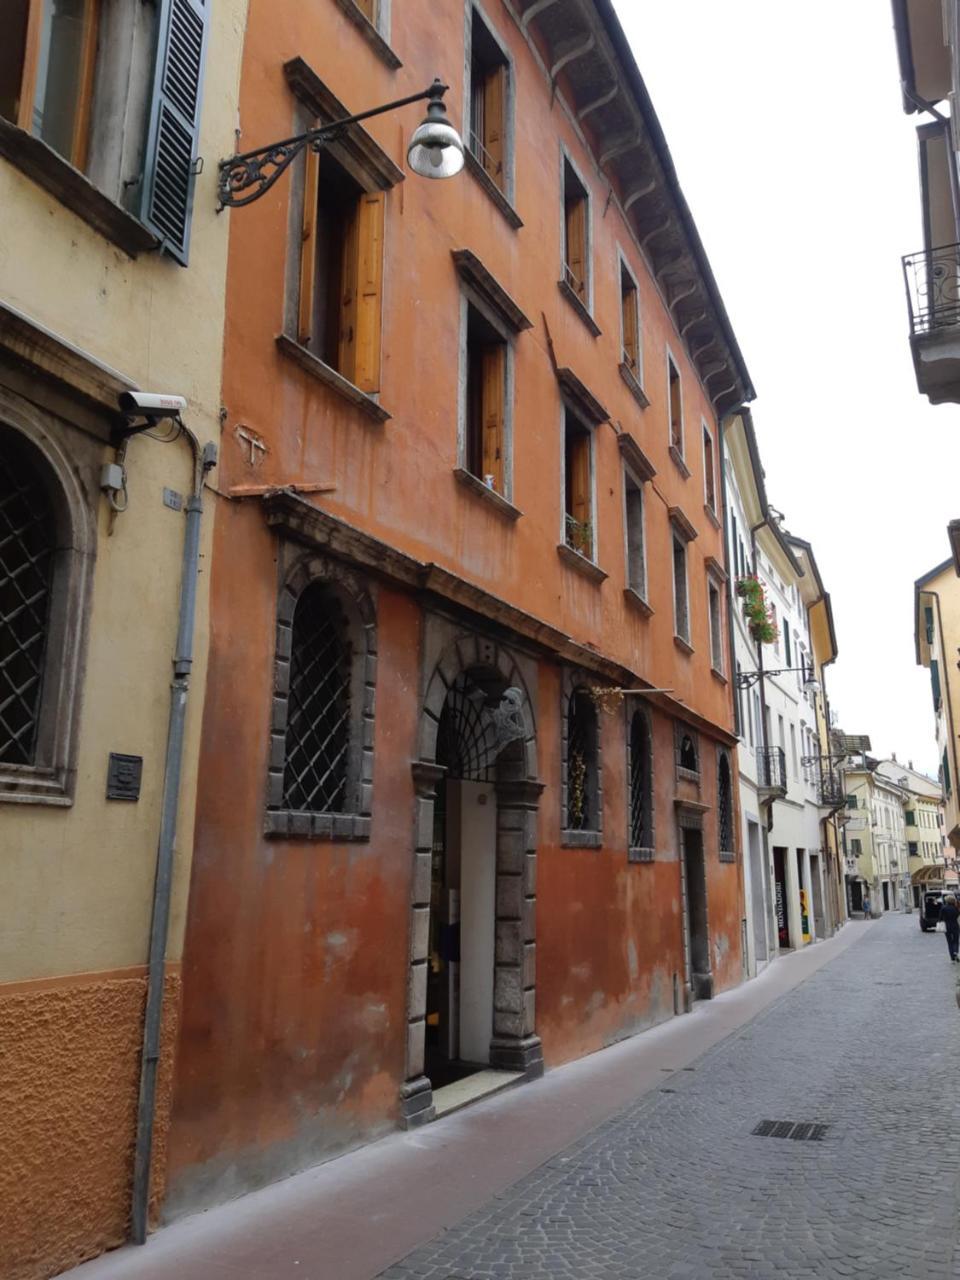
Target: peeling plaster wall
x=69 y=1080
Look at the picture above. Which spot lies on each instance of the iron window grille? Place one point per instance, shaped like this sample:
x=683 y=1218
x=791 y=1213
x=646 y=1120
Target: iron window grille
x=318 y=719
x=725 y=807
x=641 y=778
x=581 y=763
x=27 y=525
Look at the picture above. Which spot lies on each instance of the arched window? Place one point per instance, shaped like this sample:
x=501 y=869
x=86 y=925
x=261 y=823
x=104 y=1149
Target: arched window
x=582 y=771
x=318 y=710
x=687 y=753
x=725 y=808
x=28 y=527
x=641 y=787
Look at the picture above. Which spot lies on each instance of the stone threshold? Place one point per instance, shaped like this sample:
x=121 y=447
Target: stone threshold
x=482 y=1084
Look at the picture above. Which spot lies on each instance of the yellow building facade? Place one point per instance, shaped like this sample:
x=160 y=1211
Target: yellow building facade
x=112 y=270
x=936 y=629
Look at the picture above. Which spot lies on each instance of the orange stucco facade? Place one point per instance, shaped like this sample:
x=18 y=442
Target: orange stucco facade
x=299 y=1028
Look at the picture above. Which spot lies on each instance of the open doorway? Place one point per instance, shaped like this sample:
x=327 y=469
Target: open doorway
x=780 y=897
x=460 y=967
x=695 y=895
x=758 y=890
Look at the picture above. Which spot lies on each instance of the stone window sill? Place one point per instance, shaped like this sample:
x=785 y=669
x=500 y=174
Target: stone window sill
x=637 y=602
x=479 y=173
x=718 y=675
x=317 y=826
x=632 y=381
x=727 y=857
x=681 y=466
x=43 y=166
x=335 y=381
x=370 y=33
x=580 y=562
x=641 y=855
x=579 y=308
x=581 y=839
x=496 y=500
x=711 y=515
x=689 y=775
x=29 y=785
x=683 y=645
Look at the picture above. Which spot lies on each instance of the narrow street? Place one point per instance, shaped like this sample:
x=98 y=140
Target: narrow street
x=673 y=1182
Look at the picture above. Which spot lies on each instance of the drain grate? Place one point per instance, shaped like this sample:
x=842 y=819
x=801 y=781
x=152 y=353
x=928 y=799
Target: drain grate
x=799 y=1131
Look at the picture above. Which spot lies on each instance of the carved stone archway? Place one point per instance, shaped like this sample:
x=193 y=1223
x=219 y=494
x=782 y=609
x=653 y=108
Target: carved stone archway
x=515 y=1045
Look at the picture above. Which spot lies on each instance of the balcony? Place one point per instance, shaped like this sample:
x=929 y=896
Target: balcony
x=932 y=278
x=830 y=791
x=772 y=773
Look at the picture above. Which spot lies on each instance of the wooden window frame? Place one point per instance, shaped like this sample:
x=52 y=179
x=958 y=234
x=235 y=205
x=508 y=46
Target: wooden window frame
x=632 y=480
x=709 y=470
x=677 y=450
x=580 y=229
x=501 y=469
x=80 y=143
x=715 y=589
x=631 y=337
x=496 y=148
x=679 y=542
x=586 y=485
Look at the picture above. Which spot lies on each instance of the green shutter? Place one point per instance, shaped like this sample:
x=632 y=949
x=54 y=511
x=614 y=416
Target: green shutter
x=935 y=683
x=173 y=132
x=851 y=802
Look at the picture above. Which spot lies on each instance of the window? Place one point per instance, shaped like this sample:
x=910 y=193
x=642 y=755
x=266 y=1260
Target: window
x=686 y=749
x=928 y=624
x=675 y=397
x=709 y=472
x=320 y=780
x=641 y=785
x=912 y=848
x=776 y=629
x=47 y=543
x=681 y=615
x=852 y=802
x=114 y=90
x=582 y=774
x=725 y=808
x=636 y=549
x=935 y=683
x=28 y=544
x=855 y=847
x=716 y=628
x=578 y=485
x=486 y=403
x=910 y=817
x=793 y=751
x=786 y=646
x=575 y=235
x=945 y=774
x=341 y=271
x=629 y=323
x=489 y=70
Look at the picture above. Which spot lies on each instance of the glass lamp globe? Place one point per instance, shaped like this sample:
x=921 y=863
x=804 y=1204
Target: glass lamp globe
x=436 y=149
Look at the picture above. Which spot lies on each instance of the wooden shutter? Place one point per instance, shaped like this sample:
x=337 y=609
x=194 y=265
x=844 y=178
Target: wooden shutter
x=580 y=504
x=308 y=248
x=631 y=336
x=493 y=382
x=494 y=117
x=349 y=267
x=174 y=123
x=368 y=304
x=676 y=409
x=576 y=218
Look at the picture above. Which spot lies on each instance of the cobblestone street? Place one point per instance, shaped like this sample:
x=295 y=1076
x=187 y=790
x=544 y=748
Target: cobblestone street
x=677 y=1185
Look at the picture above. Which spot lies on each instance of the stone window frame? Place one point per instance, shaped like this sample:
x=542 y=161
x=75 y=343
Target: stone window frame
x=51 y=780
x=592 y=838
x=726 y=855
x=681 y=731
x=359 y=608
x=647 y=853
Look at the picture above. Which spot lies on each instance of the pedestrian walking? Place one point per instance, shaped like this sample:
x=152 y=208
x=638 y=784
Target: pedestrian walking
x=866 y=906
x=950 y=915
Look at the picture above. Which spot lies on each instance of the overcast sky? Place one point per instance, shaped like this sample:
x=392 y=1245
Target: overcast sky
x=786 y=127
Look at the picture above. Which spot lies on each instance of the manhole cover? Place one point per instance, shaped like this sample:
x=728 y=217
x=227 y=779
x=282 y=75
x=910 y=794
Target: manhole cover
x=798 y=1130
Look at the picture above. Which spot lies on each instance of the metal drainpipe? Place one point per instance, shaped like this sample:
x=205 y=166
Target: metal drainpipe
x=203 y=459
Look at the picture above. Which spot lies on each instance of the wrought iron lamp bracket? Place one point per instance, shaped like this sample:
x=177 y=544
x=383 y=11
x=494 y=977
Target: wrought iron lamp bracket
x=747 y=679
x=247 y=176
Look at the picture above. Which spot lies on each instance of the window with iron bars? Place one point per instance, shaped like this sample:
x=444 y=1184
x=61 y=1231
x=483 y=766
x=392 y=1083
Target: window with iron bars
x=318 y=717
x=582 y=733
x=641 y=784
x=725 y=808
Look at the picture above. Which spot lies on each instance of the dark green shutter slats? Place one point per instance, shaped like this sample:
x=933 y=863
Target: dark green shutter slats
x=173 y=134
x=935 y=683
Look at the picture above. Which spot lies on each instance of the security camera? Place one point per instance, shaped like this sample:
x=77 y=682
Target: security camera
x=151 y=404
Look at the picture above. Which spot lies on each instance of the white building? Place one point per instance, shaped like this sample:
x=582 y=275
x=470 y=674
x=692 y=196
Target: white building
x=786 y=899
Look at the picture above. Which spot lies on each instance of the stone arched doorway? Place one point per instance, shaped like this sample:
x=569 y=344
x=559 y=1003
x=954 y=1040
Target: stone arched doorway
x=477 y=747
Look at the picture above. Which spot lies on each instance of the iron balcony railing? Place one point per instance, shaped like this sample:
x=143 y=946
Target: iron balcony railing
x=830 y=788
x=772 y=768
x=932 y=278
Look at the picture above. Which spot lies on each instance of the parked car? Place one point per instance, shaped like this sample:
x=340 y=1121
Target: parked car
x=930 y=911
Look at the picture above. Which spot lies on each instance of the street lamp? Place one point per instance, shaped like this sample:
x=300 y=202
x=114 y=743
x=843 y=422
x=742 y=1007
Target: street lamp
x=436 y=150
x=747 y=679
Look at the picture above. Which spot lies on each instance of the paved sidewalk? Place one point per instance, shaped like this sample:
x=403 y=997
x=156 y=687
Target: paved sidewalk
x=355 y=1216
